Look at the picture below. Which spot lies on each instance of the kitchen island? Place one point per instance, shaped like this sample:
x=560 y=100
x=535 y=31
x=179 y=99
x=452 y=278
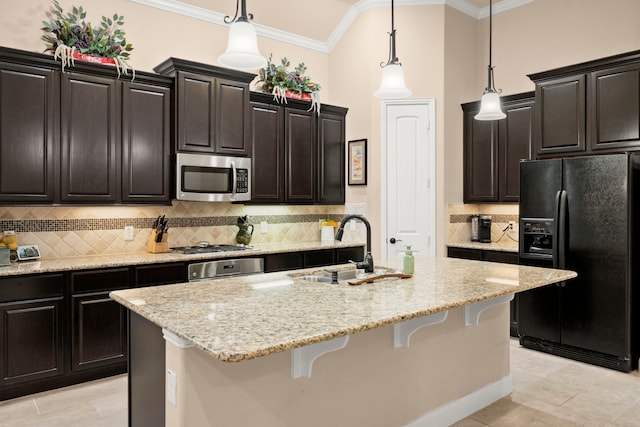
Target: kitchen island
x=428 y=350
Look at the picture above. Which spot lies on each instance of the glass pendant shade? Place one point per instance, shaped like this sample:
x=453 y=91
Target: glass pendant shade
x=392 y=85
x=242 y=49
x=490 y=108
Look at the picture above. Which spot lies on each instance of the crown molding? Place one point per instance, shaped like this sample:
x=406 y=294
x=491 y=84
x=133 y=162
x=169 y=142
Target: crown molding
x=207 y=15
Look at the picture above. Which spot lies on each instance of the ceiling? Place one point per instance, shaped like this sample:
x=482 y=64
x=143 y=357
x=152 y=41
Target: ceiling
x=293 y=21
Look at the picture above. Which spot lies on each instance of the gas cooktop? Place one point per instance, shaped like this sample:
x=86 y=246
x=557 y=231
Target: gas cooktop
x=203 y=248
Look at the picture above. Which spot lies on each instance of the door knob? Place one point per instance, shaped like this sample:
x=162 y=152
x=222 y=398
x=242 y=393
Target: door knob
x=394 y=240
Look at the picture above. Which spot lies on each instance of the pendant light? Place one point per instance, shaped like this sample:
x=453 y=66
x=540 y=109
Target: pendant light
x=242 y=49
x=392 y=85
x=490 y=108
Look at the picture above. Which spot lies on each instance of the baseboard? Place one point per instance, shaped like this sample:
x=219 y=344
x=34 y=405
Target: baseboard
x=459 y=409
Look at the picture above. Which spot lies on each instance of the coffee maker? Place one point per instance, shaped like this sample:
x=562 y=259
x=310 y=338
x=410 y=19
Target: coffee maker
x=484 y=228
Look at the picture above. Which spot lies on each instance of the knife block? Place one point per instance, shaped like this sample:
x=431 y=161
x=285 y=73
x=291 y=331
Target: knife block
x=158 y=247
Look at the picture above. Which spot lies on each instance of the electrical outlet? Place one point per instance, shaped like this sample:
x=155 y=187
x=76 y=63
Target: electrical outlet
x=128 y=232
x=263 y=226
x=352 y=224
x=511 y=224
x=171 y=387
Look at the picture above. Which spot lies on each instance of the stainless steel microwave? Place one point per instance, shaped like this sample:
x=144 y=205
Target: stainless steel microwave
x=212 y=178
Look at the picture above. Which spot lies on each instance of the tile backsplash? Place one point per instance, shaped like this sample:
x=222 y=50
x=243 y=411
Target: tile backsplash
x=61 y=231
x=459 y=227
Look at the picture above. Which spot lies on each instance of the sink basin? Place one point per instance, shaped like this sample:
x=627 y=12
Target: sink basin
x=350 y=274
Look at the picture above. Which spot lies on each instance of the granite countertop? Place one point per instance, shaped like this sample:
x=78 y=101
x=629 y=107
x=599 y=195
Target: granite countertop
x=252 y=316
x=140 y=258
x=483 y=246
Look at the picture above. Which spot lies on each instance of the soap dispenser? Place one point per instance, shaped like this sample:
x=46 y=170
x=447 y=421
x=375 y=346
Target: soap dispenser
x=408 y=261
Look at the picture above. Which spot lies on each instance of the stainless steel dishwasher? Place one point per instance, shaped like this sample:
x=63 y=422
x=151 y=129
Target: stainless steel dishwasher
x=222 y=268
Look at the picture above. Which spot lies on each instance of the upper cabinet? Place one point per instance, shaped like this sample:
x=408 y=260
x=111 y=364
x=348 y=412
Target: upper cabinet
x=211 y=107
x=493 y=150
x=83 y=135
x=298 y=155
x=29 y=139
x=589 y=108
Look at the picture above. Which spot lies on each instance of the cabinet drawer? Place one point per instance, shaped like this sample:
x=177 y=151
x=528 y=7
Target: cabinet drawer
x=99 y=280
x=344 y=255
x=319 y=258
x=285 y=261
x=161 y=274
x=31 y=287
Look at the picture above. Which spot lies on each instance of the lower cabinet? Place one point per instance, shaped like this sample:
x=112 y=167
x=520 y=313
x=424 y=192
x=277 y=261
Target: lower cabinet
x=62 y=329
x=318 y=258
x=31 y=332
x=492 y=256
x=98 y=324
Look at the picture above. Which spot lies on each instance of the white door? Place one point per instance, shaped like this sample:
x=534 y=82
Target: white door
x=409 y=143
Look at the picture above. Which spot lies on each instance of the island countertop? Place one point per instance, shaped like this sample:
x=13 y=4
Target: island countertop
x=252 y=316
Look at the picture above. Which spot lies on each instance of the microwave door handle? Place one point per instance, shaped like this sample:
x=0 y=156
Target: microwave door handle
x=235 y=179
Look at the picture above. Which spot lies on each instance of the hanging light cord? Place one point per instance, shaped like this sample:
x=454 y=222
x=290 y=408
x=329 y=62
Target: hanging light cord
x=244 y=16
x=393 y=59
x=490 y=83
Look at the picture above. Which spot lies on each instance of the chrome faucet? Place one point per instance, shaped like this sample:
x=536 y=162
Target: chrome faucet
x=367 y=264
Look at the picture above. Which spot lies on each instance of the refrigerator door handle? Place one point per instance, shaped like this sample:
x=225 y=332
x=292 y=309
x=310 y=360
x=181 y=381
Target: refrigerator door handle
x=556 y=229
x=562 y=229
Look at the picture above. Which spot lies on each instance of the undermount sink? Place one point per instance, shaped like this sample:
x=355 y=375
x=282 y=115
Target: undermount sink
x=350 y=274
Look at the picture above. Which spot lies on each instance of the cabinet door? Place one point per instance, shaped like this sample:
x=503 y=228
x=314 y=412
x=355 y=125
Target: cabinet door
x=90 y=157
x=98 y=327
x=146 y=137
x=267 y=140
x=232 y=118
x=515 y=135
x=480 y=159
x=331 y=149
x=29 y=115
x=614 y=108
x=99 y=334
x=560 y=115
x=31 y=340
x=195 y=112
x=300 y=145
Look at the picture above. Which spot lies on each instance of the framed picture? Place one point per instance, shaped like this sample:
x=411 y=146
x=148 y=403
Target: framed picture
x=358 y=162
x=28 y=252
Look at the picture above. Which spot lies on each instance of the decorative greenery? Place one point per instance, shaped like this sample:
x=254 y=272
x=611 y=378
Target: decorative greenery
x=68 y=32
x=277 y=80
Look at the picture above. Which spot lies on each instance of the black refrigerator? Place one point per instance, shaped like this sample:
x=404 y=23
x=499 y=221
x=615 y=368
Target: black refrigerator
x=579 y=214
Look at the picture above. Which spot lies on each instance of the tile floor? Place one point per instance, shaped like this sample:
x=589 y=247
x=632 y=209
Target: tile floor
x=548 y=391
x=553 y=391
x=101 y=403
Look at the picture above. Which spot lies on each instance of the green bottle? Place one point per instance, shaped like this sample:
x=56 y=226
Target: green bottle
x=408 y=261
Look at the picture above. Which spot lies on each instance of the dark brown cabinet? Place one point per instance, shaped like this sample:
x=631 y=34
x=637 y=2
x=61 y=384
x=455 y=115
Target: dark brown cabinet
x=29 y=142
x=493 y=150
x=589 y=108
x=614 y=108
x=267 y=140
x=31 y=330
x=211 y=108
x=90 y=145
x=560 y=115
x=298 y=155
x=331 y=158
x=83 y=135
x=306 y=259
x=146 y=139
x=98 y=326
